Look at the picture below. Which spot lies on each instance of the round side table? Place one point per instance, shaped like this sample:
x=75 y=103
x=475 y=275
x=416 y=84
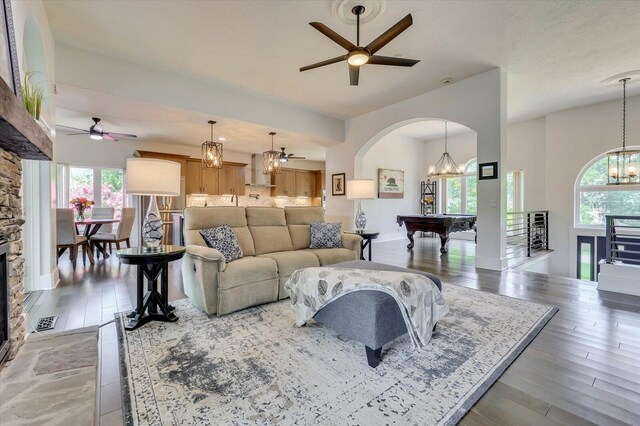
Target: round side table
x=152 y=263
x=367 y=236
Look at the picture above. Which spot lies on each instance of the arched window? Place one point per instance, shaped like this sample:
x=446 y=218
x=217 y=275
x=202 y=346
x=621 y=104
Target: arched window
x=595 y=199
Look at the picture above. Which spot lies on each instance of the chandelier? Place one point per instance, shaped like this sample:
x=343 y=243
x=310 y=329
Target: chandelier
x=623 y=164
x=211 y=152
x=271 y=164
x=445 y=167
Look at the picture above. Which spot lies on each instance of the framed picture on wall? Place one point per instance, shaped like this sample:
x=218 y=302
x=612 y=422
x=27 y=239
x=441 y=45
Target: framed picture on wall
x=8 y=54
x=488 y=171
x=338 y=184
x=390 y=183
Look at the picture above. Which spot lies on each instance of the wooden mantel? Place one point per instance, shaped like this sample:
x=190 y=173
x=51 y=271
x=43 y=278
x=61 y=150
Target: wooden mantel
x=19 y=132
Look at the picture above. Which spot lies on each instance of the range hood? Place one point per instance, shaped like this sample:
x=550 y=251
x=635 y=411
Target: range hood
x=254 y=175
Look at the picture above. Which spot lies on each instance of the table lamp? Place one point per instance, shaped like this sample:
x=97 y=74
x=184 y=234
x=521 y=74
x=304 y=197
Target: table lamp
x=360 y=189
x=150 y=176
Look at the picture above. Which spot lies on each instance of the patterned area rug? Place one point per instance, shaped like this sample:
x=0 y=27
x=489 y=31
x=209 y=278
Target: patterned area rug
x=256 y=367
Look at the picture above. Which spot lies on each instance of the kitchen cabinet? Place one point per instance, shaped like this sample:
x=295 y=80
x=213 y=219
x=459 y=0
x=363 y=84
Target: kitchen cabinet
x=231 y=179
x=320 y=183
x=210 y=181
x=193 y=177
x=295 y=183
x=305 y=184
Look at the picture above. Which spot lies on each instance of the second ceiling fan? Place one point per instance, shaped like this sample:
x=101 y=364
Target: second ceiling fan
x=356 y=55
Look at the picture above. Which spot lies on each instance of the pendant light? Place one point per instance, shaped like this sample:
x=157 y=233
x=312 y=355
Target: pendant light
x=624 y=164
x=445 y=167
x=211 y=152
x=271 y=163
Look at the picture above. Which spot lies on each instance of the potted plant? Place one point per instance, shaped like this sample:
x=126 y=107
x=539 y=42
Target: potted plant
x=31 y=96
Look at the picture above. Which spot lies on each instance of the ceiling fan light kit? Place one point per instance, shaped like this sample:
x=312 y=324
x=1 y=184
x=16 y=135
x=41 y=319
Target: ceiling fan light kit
x=211 y=152
x=96 y=132
x=357 y=55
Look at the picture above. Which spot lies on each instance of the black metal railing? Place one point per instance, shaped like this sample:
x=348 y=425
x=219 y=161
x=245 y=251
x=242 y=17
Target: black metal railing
x=623 y=239
x=527 y=232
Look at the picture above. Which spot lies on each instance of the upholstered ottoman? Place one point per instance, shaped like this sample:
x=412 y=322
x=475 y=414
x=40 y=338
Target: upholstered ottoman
x=370 y=317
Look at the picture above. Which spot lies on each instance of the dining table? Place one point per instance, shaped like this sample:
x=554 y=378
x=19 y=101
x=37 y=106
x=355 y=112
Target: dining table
x=91 y=227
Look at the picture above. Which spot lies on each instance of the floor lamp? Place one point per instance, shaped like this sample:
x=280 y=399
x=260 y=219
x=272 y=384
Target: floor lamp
x=149 y=176
x=360 y=189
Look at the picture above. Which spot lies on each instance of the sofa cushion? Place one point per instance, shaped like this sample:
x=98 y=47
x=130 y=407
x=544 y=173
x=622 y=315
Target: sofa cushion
x=304 y=215
x=265 y=216
x=223 y=239
x=197 y=218
x=290 y=261
x=326 y=235
x=300 y=236
x=247 y=270
x=334 y=255
x=271 y=239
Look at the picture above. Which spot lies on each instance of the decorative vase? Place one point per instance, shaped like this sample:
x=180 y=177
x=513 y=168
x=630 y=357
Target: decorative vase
x=361 y=220
x=80 y=213
x=152 y=229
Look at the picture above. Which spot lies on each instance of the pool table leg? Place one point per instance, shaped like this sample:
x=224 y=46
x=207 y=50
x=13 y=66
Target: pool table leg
x=410 y=236
x=444 y=239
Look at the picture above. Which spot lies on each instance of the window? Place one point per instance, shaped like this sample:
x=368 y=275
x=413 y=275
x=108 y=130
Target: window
x=595 y=199
x=461 y=193
x=105 y=186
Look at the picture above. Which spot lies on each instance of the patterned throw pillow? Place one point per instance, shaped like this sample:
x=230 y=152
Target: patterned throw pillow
x=326 y=235
x=224 y=240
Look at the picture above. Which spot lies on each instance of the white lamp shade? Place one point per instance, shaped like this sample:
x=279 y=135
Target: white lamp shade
x=360 y=189
x=150 y=176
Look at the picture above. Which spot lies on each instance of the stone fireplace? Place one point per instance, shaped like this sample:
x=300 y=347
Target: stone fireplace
x=20 y=138
x=11 y=222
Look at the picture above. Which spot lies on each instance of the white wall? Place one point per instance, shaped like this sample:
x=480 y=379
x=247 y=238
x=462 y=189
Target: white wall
x=573 y=138
x=398 y=153
x=38 y=176
x=479 y=103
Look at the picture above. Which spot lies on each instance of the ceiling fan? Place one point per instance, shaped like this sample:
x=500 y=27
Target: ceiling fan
x=96 y=132
x=284 y=157
x=356 y=55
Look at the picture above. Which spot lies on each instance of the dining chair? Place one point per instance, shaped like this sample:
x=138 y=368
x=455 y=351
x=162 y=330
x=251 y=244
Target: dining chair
x=66 y=237
x=103 y=213
x=122 y=234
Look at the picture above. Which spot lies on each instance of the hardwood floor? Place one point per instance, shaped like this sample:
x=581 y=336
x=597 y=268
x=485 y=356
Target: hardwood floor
x=583 y=368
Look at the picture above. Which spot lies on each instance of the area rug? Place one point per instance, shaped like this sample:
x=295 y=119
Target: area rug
x=256 y=367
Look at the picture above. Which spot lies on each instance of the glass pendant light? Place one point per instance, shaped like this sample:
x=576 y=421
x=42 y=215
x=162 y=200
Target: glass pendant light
x=445 y=167
x=271 y=160
x=211 y=152
x=624 y=164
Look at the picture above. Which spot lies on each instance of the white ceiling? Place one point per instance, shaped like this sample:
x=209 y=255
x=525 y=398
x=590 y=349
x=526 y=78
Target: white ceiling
x=556 y=53
x=158 y=123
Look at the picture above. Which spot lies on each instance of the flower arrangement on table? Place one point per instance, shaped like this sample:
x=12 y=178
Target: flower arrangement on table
x=81 y=204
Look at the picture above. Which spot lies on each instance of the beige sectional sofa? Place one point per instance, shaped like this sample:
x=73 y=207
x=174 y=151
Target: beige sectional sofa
x=275 y=243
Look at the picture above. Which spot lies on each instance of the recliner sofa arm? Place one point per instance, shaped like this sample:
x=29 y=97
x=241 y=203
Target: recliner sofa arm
x=200 y=267
x=352 y=242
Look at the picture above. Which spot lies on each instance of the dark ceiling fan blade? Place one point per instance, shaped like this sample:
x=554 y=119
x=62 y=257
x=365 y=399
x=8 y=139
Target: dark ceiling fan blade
x=78 y=133
x=109 y=137
x=323 y=63
x=390 y=34
x=120 y=135
x=388 y=60
x=72 y=128
x=354 y=74
x=297 y=158
x=334 y=36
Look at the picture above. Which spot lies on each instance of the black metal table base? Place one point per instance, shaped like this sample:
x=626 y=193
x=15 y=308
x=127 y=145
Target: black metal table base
x=154 y=305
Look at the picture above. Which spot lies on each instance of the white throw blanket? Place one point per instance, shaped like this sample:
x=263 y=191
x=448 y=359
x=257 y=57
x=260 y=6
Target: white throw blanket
x=419 y=299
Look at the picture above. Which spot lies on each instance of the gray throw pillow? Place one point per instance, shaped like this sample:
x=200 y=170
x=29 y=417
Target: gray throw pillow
x=326 y=235
x=224 y=240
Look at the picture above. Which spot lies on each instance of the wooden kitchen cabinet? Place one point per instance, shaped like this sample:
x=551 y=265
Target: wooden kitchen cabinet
x=193 y=177
x=210 y=181
x=285 y=183
x=305 y=184
x=231 y=179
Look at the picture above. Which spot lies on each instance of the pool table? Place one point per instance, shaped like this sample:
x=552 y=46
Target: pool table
x=441 y=224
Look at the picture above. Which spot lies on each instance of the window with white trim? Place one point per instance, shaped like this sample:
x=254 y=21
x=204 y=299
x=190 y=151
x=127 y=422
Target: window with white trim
x=105 y=186
x=461 y=193
x=595 y=199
